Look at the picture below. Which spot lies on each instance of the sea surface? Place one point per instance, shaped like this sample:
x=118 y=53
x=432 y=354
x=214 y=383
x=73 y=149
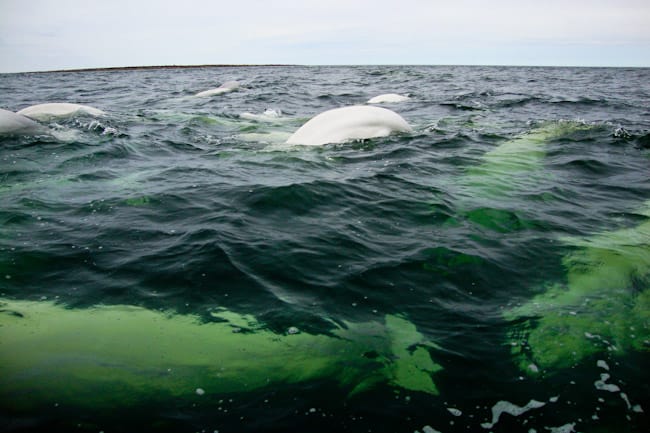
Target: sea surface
x=502 y=248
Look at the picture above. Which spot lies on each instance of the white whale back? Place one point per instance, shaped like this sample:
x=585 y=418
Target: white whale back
x=12 y=123
x=349 y=123
x=388 y=97
x=226 y=87
x=57 y=110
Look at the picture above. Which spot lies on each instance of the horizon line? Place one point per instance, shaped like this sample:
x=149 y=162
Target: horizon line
x=252 y=65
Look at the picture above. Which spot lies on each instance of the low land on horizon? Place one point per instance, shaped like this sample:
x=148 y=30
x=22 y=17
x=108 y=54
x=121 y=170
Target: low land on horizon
x=245 y=65
x=135 y=68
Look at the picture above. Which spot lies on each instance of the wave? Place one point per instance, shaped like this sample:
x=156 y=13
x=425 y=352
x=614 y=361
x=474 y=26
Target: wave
x=516 y=183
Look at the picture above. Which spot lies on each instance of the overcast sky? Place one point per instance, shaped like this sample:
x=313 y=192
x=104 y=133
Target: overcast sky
x=63 y=34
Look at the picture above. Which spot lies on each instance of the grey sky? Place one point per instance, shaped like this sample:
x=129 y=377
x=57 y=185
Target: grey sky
x=42 y=35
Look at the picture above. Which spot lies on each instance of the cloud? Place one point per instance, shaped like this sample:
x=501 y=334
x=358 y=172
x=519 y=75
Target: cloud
x=76 y=33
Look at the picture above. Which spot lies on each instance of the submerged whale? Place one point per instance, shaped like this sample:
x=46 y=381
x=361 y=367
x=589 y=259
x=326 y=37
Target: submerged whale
x=56 y=110
x=388 y=97
x=120 y=356
x=601 y=305
x=226 y=87
x=349 y=123
x=16 y=124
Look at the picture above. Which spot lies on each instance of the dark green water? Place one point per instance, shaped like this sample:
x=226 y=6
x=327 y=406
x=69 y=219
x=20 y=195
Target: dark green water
x=511 y=229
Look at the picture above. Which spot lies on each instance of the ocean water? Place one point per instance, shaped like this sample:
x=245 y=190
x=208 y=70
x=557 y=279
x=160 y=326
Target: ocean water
x=173 y=266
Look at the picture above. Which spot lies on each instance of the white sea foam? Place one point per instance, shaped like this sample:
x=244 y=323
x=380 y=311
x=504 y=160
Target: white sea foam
x=566 y=428
x=603 y=386
x=626 y=400
x=269 y=115
x=506 y=407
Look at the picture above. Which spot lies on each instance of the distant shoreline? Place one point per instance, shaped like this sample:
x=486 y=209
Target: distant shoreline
x=260 y=65
x=136 y=68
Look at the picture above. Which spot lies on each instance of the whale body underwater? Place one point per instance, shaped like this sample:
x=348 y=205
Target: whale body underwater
x=112 y=356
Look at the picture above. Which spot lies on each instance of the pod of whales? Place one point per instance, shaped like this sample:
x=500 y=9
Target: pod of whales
x=226 y=87
x=598 y=311
x=16 y=124
x=338 y=125
x=57 y=110
x=349 y=123
x=388 y=97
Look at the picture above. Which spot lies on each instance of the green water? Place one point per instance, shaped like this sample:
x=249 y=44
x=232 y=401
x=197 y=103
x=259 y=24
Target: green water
x=173 y=266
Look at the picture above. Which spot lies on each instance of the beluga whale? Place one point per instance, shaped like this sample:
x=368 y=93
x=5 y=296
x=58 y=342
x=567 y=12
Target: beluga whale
x=120 y=356
x=226 y=87
x=17 y=124
x=58 y=110
x=344 y=124
x=388 y=97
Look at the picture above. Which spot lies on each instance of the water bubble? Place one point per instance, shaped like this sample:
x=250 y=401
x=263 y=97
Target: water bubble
x=626 y=400
x=603 y=386
x=602 y=364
